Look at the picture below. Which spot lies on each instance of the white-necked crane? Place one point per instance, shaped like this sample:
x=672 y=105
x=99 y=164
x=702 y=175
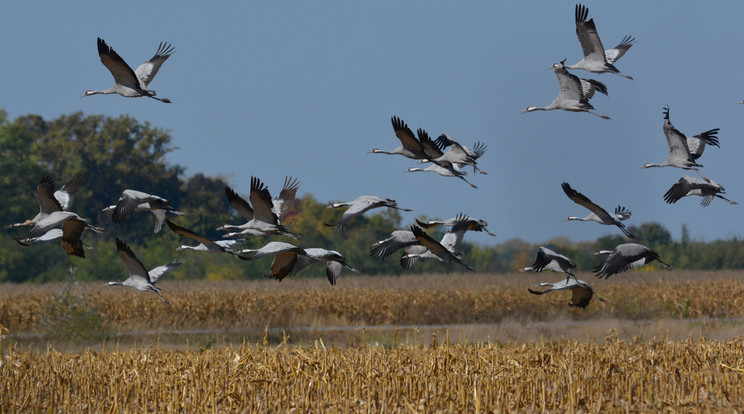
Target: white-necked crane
x=127 y=82
x=133 y=200
x=683 y=151
x=361 y=205
x=596 y=58
x=571 y=96
x=598 y=214
x=139 y=278
x=581 y=292
x=626 y=256
x=688 y=186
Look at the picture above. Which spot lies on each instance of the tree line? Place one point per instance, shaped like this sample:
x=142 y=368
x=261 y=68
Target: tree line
x=120 y=153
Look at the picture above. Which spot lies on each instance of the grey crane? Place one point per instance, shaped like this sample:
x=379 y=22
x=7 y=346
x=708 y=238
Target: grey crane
x=598 y=214
x=127 y=82
x=205 y=244
x=435 y=249
x=50 y=200
x=626 y=256
x=688 y=186
x=471 y=223
x=596 y=58
x=683 y=151
x=264 y=218
x=290 y=259
x=549 y=260
x=72 y=228
x=410 y=146
x=581 y=292
x=458 y=154
x=435 y=155
x=133 y=200
x=53 y=235
x=571 y=95
x=361 y=205
x=398 y=239
x=285 y=257
x=139 y=278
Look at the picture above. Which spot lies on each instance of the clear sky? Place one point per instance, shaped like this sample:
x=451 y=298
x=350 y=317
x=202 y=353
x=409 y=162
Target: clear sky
x=308 y=88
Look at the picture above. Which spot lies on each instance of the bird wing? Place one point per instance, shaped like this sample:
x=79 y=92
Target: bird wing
x=680 y=189
x=51 y=221
x=147 y=71
x=239 y=203
x=66 y=194
x=72 y=229
x=583 y=200
x=405 y=135
x=622 y=260
x=360 y=206
x=157 y=273
x=581 y=295
x=288 y=193
x=260 y=199
x=586 y=31
x=435 y=247
x=123 y=74
x=432 y=149
x=614 y=54
x=183 y=231
x=544 y=256
x=696 y=144
x=589 y=86
x=135 y=267
x=333 y=269
x=45 y=196
x=283 y=265
x=569 y=86
x=397 y=240
x=411 y=255
x=676 y=140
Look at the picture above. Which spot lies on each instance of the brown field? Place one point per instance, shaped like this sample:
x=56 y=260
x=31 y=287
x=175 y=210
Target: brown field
x=663 y=339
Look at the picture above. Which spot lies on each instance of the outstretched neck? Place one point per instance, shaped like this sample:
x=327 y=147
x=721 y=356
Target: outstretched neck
x=650 y=165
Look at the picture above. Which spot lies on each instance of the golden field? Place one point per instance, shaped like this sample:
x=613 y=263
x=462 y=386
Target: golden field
x=446 y=343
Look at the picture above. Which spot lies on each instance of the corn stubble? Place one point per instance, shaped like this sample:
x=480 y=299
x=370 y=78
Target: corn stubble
x=558 y=376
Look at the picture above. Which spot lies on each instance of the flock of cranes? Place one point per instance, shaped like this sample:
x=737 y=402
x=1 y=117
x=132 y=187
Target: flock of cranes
x=444 y=155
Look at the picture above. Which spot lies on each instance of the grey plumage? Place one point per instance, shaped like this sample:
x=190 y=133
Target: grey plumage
x=625 y=257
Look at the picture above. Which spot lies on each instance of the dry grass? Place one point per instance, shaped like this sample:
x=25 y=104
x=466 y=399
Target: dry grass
x=698 y=375
x=372 y=301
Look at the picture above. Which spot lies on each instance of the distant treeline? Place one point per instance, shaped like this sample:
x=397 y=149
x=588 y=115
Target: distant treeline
x=120 y=153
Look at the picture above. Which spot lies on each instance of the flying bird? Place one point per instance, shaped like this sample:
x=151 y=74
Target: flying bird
x=688 y=186
x=264 y=217
x=549 y=260
x=459 y=154
x=361 y=205
x=285 y=257
x=132 y=200
x=571 y=92
x=72 y=227
x=50 y=200
x=129 y=83
x=597 y=214
x=434 y=249
x=410 y=146
x=205 y=244
x=472 y=224
x=596 y=58
x=139 y=278
x=683 y=151
x=581 y=292
x=626 y=256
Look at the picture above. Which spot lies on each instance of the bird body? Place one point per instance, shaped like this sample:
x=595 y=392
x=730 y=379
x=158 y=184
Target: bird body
x=361 y=205
x=410 y=146
x=595 y=56
x=129 y=83
x=626 y=256
x=264 y=217
x=133 y=200
x=683 y=151
x=549 y=260
x=581 y=292
x=598 y=214
x=471 y=224
x=688 y=186
x=334 y=260
x=205 y=244
x=571 y=93
x=50 y=200
x=443 y=251
x=139 y=278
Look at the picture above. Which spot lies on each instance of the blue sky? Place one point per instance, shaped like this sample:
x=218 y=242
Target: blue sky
x=308 y=88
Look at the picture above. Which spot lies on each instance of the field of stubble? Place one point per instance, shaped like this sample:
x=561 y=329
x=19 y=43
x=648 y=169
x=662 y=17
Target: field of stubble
x=446 y=343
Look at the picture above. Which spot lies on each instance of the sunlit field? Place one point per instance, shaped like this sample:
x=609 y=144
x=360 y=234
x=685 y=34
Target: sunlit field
x=458 y=342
